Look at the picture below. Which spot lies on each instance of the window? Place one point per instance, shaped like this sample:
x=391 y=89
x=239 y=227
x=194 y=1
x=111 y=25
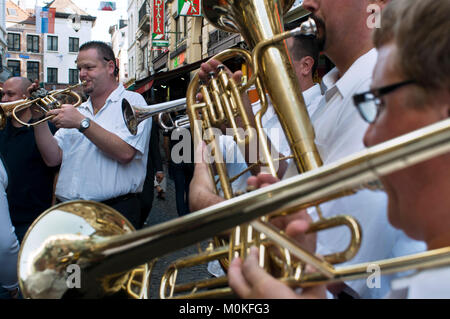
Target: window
x=13 y=42
x=12 y=12
x=32 y=70
x=52 y=75
x=14 y=67
x=52 y=43
x=33 y=43
x=73 y=76
x=74 y=44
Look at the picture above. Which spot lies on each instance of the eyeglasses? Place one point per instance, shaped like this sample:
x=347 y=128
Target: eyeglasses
x=369 y=103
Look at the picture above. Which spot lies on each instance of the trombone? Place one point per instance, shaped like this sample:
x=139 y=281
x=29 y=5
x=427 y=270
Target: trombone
x=133 y=115
x=42 y=99
x=100 y=258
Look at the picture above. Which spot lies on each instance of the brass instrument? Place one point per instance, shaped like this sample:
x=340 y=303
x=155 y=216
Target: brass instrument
x=75 y=220
x=272 y=72
x=101 y=257
x=42 y=99
x=133 y=115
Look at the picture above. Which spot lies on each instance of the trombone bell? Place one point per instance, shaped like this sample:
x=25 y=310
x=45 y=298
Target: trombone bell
x=133 y=115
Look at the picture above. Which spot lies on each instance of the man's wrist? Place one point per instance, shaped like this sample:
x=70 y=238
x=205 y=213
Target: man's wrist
x=85 y=123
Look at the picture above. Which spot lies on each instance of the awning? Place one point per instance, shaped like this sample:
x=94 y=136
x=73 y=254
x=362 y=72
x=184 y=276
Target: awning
x=145 y=84
x=145 y=87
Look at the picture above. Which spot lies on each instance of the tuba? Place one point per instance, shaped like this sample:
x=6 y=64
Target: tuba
x=43 y=100
x=102 y=259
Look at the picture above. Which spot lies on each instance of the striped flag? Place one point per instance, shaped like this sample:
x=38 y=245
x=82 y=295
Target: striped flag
x=107 y=5
x=45 y=20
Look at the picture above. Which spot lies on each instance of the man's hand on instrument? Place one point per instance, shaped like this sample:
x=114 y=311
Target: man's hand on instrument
x=66 y=117
x=33 y=87
x=250 y=281
x=294 y=225
x=209 y=67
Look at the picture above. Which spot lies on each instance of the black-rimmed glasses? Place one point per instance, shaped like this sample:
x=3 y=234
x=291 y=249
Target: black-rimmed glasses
x=368 y=103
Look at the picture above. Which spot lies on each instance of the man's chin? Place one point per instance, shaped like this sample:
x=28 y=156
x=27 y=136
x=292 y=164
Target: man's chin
x=87 y=90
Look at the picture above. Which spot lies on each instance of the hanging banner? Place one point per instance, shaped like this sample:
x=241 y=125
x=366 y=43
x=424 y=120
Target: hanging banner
x=158 y=20
x=191 y=8
x=45 y=20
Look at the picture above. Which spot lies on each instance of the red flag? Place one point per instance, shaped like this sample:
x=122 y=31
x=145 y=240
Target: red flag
x=51 y=20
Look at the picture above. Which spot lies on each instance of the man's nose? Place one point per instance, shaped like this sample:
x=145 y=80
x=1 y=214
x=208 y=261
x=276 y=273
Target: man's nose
x=367 y=139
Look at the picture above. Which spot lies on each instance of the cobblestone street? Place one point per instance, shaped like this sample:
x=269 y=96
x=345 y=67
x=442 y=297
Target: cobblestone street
x=164 y=210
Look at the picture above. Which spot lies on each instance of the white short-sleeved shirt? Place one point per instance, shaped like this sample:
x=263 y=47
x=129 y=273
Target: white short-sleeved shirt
x=425 y=284
x=86 y=172
x=339 y=132
x=272 y=126
x=9 y=245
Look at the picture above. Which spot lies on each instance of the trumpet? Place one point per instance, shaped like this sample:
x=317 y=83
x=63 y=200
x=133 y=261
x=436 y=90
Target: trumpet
x=42 y=99
x=133 y=115
x=102 y=258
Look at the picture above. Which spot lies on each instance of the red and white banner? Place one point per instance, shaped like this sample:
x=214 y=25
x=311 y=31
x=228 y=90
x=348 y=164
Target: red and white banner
x=158 y=20
x=190 y=8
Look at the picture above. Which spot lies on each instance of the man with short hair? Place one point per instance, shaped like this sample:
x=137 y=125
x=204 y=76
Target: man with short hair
x=402 y=98
x=100 y=160
x=305 y=63
x=31 y=181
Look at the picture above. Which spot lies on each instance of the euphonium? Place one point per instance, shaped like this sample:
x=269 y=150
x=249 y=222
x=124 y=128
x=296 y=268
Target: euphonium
x=101 y=258
x=41 y=99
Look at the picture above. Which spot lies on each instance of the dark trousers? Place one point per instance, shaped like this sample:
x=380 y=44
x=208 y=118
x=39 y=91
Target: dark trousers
x=20 y=230
x=182 y=176
x=129 y=206
x=146 y=199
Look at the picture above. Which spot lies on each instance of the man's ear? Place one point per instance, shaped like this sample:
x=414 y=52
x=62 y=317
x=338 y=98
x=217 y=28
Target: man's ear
x=306 y=64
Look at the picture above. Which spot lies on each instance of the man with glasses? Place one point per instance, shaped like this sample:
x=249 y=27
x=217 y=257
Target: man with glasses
x=403 y=97
x=100 y=160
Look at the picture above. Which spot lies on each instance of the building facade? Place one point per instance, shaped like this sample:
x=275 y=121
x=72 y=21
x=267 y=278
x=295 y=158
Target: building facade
x=24 y=56
x=46 y=57
x=73 y=27
x=4 y=71
x=119 y=44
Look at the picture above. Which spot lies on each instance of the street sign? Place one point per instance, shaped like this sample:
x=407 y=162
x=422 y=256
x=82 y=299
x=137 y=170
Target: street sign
x=160 y=43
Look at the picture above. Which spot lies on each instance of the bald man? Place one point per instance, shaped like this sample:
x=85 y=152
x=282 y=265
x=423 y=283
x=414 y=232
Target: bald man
x=30 y=187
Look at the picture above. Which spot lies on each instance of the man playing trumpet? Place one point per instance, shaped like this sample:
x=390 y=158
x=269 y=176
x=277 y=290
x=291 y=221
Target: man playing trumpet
x=100 y=160
x=31 y=181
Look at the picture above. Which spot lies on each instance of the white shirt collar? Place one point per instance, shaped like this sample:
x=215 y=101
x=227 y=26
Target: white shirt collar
x=362 y=67
x=311 y=93
x=113 y=97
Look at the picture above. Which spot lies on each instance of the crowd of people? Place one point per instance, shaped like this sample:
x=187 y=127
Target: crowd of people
x=387 y=81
